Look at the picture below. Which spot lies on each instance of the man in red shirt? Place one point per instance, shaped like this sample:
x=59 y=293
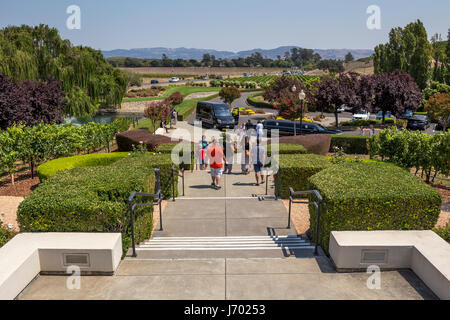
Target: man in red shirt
x=216 y=160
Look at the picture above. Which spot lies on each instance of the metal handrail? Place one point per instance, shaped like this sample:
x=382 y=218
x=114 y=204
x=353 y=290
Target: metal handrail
x=132 y=206
x=317 y=205
x=176 y=169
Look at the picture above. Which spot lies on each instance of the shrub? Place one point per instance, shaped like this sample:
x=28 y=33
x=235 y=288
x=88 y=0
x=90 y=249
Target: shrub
x=251 y=100
x=372 y=196
x=366 y=123
x=91 y=199
x=413 y=150
x=314 y=143
x=285 y=148
x=229 y=94
x=443 y=232
x=5 y=235
x=294 y=171
x=351 y=144
x=150 y=161
x=126 y=140
x=52 y=167
x=167 y=149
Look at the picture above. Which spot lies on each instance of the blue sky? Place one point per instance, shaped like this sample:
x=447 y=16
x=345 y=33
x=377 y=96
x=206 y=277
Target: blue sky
x=227 y=24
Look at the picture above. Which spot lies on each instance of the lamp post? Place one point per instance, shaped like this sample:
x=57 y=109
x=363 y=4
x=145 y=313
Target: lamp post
x=294 y=90
x=302 y=97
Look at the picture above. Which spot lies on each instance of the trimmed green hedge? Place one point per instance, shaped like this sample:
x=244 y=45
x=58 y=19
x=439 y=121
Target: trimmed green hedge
x=167 y=149
x=163 y=162
x=294 y=171
x=258 y=104
x=366 y=123
x=52 y=167
x=350 y=143
x=91 y=199
x=285 y=148
x=372 y=196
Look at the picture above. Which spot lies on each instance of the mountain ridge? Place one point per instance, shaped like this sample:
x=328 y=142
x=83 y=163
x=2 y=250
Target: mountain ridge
x=195 y=53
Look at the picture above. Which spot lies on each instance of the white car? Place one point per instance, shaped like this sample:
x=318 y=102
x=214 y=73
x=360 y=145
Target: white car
x=174 y=79
x=341 y=108
x=361 y=115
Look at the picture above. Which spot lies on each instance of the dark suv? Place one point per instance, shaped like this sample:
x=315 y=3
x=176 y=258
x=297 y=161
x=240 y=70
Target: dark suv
x=418 y=122
x=215 y=115
x=286 y=127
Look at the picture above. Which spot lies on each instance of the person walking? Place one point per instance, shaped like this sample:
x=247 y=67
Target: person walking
x=245 y=155
x=229 y=149
x=259 y=129
x=216 y=159
x=248 y=125
x=203 y=147
x=175 y=117
x=258 y=158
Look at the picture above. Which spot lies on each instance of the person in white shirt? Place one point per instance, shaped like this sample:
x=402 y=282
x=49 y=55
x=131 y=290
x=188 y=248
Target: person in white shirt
x=258 y=158
x=259 y=129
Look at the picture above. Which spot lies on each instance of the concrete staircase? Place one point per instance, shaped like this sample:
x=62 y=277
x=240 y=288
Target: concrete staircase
x=224 y=247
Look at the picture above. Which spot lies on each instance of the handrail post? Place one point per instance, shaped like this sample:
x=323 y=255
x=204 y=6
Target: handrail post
x=317 y=228
x=134 y=255
x=182 y=172
x=173 y=183
x=289 y=218
x=160 y=212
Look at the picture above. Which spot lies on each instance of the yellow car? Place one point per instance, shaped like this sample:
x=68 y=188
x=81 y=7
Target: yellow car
x=305 y=119
x=242 y=111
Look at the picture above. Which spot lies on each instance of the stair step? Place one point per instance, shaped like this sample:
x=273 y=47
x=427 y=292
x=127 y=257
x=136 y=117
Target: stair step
x=278 y=245
x=222 y=242
x=222 y=248
x=224 y=238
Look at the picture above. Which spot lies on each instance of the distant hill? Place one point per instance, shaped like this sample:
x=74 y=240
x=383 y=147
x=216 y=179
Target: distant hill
x=191 y=53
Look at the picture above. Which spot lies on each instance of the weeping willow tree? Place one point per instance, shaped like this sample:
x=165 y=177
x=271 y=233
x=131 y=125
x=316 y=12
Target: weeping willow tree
x=38 y=53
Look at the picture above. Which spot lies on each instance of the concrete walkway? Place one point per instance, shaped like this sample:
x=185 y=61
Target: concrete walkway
x=235 y=279
x=235 y=210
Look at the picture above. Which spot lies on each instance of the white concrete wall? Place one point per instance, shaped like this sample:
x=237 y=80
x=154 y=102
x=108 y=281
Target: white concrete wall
x=424 y=252
x=28 y=254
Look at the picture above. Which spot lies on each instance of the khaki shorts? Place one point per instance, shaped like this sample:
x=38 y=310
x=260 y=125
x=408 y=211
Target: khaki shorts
x=216 y=172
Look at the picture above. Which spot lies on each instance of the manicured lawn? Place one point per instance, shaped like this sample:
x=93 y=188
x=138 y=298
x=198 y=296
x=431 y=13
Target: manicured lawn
x=185 y=91
x=146 y=124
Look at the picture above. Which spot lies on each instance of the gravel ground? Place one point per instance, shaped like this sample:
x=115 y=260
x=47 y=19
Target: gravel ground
x=299 y=216
x=156 y=214
x=8 y=211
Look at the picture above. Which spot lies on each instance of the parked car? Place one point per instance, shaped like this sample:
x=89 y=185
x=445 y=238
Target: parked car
x=407 y=114
x=154 y=81
x=286 y=127
x=205 y=78
x=386 y=116
x=174 y=79
x=418 y=122
x=361 y=115
x=341 y=109
x=215 y=115
x=219 y=77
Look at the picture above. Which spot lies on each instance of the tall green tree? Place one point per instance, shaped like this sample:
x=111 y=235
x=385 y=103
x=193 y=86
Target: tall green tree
x=408 y=50
x=38 y=53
